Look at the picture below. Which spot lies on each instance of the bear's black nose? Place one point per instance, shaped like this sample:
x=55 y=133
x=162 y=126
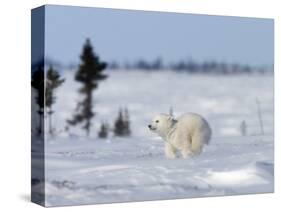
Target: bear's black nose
x=149 y=126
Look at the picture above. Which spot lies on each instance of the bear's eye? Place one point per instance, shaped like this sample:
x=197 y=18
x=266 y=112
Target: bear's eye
x=157 y=121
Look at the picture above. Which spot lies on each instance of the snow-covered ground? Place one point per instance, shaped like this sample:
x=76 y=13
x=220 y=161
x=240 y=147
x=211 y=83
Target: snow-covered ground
x=81 y=170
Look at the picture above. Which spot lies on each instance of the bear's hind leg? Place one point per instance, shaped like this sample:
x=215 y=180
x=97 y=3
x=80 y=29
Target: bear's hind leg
x=186 y=152
x=197 y=143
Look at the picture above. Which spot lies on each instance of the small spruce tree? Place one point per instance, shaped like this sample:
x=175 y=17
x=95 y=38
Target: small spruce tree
x=52 y=83
x=127 y=129
x=103 y=133
x=37 y=82
x=122 y=124
x=90 y=72
x=119 y=124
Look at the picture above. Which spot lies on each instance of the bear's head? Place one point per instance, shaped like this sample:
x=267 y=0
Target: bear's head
x=161 y=124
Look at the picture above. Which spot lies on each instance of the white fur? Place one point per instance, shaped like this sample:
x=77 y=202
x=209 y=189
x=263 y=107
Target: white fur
x=187 y=134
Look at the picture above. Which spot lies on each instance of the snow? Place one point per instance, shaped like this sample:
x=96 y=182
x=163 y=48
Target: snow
x=82 y=170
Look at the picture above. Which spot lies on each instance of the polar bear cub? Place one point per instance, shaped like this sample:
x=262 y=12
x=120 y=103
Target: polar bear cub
x=187 y=134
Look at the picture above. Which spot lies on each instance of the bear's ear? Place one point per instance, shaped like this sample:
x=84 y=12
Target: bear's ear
x=170 y=118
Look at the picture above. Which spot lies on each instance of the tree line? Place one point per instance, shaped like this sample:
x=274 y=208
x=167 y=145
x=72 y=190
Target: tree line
x=190 y=66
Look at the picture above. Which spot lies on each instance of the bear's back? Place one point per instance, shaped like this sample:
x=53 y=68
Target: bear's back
x=193 y=122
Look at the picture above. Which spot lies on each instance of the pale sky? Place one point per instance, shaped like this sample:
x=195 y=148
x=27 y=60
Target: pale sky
x=122 y=35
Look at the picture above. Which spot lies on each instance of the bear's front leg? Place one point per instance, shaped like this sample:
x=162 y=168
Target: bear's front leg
x=170 y=151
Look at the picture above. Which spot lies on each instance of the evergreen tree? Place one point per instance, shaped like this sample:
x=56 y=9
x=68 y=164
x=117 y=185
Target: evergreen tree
x=52 y=83
x=103 y=133
x=122 y=124
x=157 y=64
x=37 y=82
x=127 y=130
x=90 y=72
x=119 y=124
